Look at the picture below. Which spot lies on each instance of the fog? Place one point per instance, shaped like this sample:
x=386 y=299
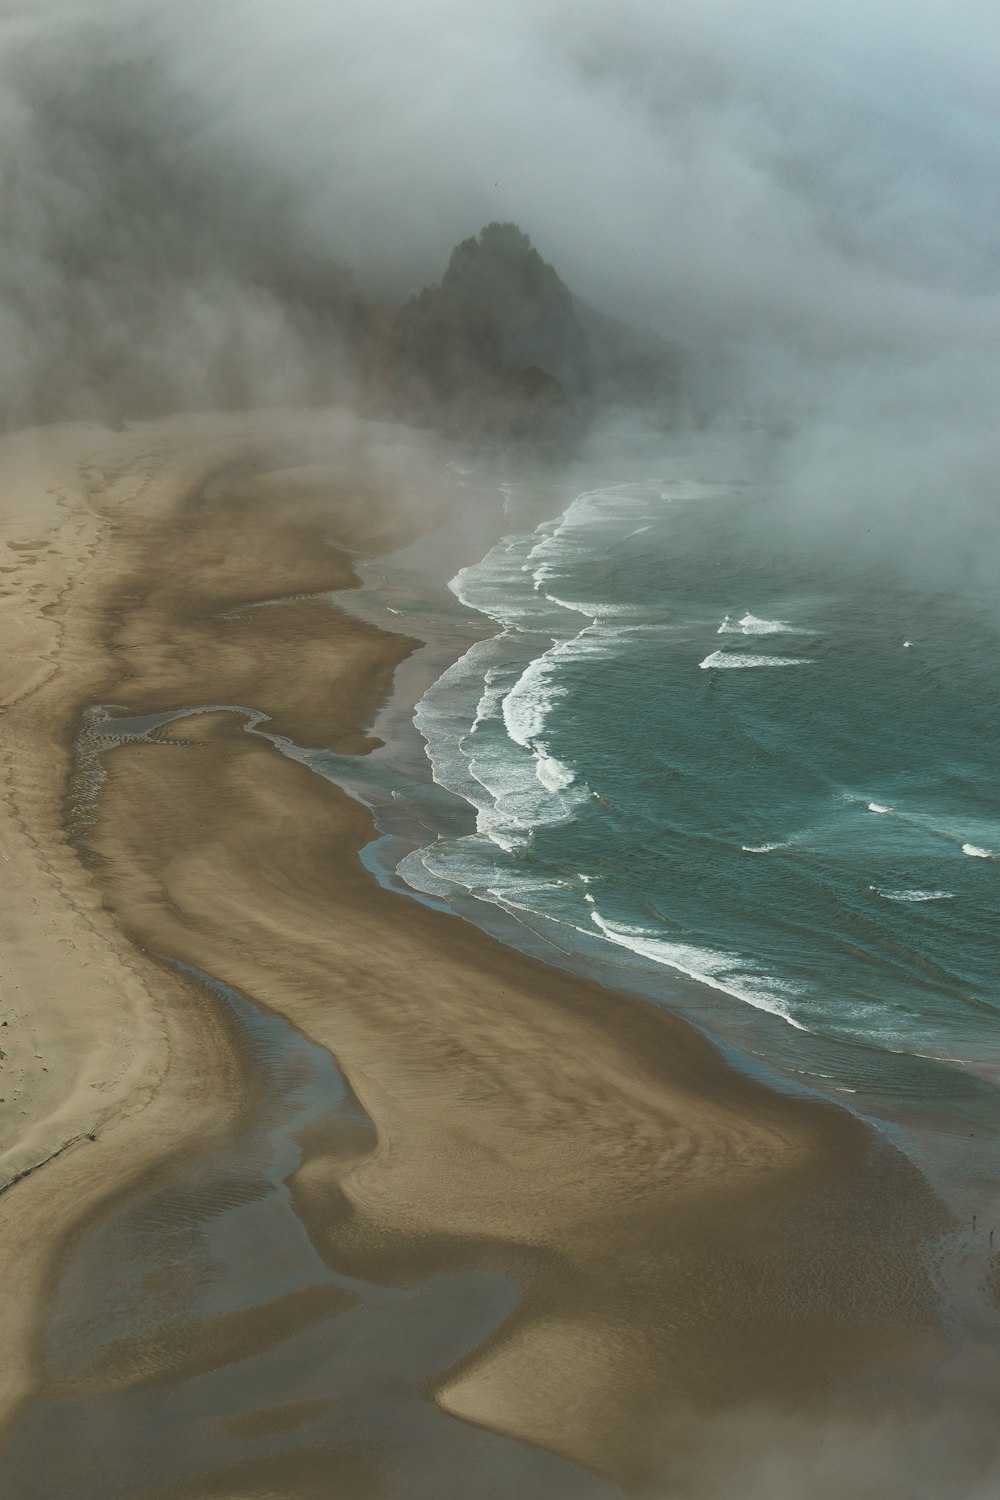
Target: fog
x=807 y=199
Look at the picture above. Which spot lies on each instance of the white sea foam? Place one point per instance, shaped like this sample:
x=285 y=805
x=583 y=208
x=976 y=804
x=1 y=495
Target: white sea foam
x=415 y=870
x=746 y=659
x=599 y=517
x=595 y=610
x=753 y=625
x=519 y=784
x=513 y=788
x=527 y=706
x=762 y=848
x=499 y=587
x=510 y=776
x=552 y=773
x=522 y=792
x=516 y=783
x=960 y=831
x=491 y=697
x=878 y=807
x=733 y=976
x=441 y=716
x=915 y=896
x=594 y=514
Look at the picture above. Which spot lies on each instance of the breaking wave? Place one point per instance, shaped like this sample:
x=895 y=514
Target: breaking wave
x=722 y=971
x=627 y=818
x=746 y=659
x=752 y=625
x=913 y=896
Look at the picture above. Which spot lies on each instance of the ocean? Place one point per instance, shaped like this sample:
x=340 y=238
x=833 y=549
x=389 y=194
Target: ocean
x=653 y=739
x=752 y=781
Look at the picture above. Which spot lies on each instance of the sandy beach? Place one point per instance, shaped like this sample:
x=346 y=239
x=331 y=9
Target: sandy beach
x=681 y=1246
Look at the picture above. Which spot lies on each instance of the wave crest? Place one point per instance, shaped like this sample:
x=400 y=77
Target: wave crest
x=914 y=896
x=747 y=659
x=721 y=971
x=753 y=625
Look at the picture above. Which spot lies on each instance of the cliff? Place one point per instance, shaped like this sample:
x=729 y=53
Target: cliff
x=502 y=345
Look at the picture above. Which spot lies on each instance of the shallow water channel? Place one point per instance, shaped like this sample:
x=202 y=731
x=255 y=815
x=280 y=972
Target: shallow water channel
x=199 y=1343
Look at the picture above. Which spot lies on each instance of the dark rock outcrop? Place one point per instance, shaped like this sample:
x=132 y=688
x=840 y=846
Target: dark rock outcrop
x=499 y=307
x=502 y=347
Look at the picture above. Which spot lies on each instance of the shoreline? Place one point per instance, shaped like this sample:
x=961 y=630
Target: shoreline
x=594 y=1148
x=755 y=1042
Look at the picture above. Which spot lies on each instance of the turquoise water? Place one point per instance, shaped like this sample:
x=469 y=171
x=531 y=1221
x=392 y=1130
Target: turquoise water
x=699 y=753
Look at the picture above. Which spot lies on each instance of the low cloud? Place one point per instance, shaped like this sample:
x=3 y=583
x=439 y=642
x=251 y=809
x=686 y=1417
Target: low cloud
x=807 y=200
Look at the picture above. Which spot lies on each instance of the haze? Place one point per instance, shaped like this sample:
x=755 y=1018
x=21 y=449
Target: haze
x=806 y=197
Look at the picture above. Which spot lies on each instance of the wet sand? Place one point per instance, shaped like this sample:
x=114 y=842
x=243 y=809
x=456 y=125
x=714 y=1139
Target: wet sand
x=638 y=1238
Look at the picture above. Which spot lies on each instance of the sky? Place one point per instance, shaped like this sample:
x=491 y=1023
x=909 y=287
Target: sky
x=806 y=197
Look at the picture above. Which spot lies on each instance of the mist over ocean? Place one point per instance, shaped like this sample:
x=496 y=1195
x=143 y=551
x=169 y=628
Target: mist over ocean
x=693 y=750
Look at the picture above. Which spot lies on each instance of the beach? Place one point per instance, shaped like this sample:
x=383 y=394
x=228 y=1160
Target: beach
x=661 y=1243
